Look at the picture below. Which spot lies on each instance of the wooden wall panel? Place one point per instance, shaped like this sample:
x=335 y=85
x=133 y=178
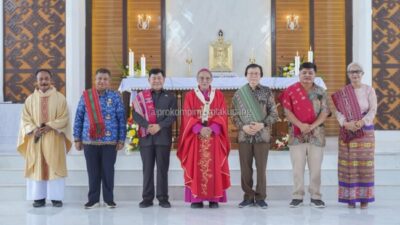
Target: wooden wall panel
x=147 y=42
x=330 y=48
x=288 y=42
x=386 y=62
x=329 y=38
x=34 y=38
x=107 y=38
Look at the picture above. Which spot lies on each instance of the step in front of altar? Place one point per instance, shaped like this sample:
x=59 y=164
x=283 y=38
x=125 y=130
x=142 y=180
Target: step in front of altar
x=128 y=177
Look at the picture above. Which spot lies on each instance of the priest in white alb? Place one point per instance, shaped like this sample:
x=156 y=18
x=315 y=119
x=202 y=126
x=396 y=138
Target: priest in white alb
x=44 y=139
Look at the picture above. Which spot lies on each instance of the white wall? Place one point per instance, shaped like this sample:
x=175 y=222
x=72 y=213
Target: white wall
x=195 y=24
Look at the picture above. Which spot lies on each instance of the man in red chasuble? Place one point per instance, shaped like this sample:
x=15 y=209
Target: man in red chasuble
x=204 y=144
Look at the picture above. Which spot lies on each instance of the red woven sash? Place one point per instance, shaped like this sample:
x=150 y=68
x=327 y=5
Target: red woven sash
x=97 y=127
x=144 y=106
x=295 y=99
x=346 y=102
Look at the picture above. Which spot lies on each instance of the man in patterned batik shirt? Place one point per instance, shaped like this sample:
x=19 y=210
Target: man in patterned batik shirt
x=100 y=129
x=306 y=108
x=254 y=113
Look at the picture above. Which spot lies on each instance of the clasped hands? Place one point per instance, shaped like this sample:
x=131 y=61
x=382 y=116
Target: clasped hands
x=253 y=128
x=153 y=128
x=306 y=128
x=353 y=125
x=205 y=132
x=41 y=130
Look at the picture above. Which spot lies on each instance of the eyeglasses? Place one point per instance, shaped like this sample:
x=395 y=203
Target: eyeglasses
x=256 y=74
x=204 y=78
x=354 y=71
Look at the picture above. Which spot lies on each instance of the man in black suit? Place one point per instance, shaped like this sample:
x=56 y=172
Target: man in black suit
x=154 y=112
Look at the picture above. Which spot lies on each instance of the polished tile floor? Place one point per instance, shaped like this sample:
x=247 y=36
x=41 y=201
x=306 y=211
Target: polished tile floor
x=19 y=213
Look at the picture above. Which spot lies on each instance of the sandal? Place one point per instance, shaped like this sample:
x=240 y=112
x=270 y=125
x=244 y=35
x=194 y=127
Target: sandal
x=351 y=205
x=364 y=205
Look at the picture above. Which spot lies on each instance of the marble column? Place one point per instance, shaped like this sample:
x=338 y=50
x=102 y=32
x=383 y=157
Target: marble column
x=362 y=37
x=75 y=53
x=1 y=52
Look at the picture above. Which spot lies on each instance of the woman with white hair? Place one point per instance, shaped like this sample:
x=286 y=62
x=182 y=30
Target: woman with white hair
x=356 y=106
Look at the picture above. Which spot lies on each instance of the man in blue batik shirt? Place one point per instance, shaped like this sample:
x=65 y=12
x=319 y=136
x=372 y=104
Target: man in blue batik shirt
x=100 y=129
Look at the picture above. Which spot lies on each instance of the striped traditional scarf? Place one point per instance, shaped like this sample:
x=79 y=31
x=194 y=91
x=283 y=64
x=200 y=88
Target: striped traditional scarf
x=97 y=127
x=346 y=102
x=144 y=106
x=246 y=101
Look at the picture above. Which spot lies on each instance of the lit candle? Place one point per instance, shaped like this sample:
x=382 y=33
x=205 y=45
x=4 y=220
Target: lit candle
x=143 y=66
x=131 y=63
x=310 y=55
x=297 y=64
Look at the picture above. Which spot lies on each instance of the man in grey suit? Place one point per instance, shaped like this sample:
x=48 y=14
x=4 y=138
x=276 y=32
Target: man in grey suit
x=154 y=112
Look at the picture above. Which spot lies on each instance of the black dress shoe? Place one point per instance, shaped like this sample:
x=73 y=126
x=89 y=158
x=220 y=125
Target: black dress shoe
x=145 y=204
x=213 y=205
x=110 y=205
x=197 y=205
x=39 y=203
x=164 y=204
x=57 y=203
x=91 y=205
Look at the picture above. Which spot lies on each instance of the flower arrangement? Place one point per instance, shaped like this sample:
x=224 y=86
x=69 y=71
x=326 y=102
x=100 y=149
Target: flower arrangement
x=281 y=144
x=132 y=136
x=288 y=69
x=125 y=69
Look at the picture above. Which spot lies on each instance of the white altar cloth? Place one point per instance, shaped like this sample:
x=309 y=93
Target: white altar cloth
x=222 y=83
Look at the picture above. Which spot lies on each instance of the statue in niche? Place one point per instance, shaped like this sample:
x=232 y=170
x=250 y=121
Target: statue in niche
x=220 y=55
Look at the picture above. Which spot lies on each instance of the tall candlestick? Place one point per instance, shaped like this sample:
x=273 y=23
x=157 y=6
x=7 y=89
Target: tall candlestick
x=131 y=63
x=310 y=56
x=297 y=64
x=143 y=66
x=189 y=61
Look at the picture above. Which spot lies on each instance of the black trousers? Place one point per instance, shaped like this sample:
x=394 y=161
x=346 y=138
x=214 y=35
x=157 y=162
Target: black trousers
x=100 y=160
x=150 y=156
